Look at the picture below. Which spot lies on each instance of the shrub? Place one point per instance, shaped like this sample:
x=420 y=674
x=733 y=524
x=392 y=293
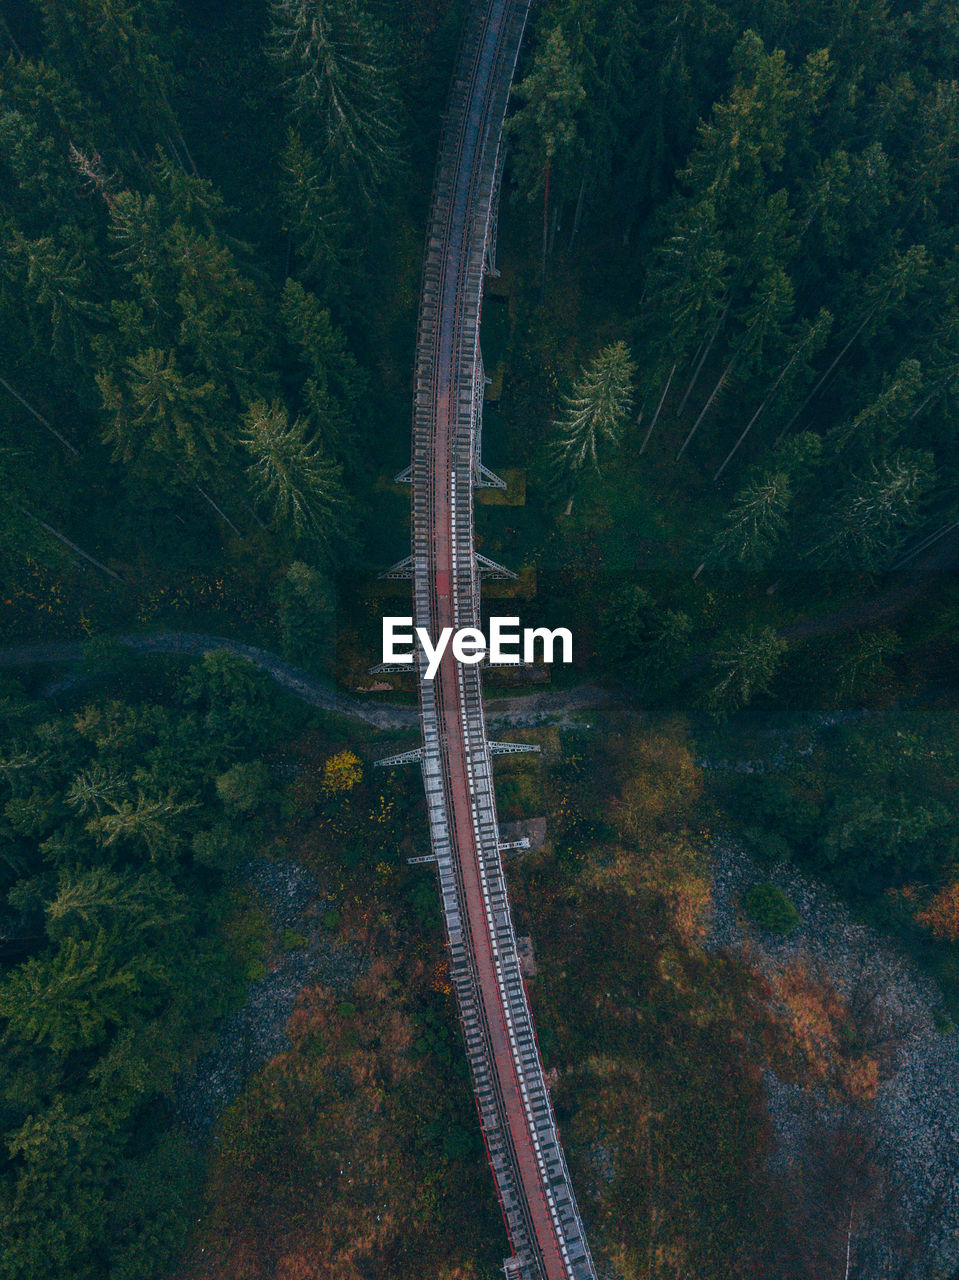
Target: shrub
x=768 y=906
x=307 y=613
x=243 y=786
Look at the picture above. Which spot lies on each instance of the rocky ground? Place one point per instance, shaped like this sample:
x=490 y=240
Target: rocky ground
x=293 y=900
x=915 y=1114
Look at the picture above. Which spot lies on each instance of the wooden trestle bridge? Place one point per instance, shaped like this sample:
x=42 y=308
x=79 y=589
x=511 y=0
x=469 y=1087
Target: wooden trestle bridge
x=515 y=1112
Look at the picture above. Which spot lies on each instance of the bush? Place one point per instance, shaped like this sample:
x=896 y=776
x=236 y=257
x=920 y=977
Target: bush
x=243 y=786
x=307 y=615
x=769 y=907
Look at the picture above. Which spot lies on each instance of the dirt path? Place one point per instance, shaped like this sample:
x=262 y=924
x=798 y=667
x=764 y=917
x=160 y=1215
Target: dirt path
x=524 y=710
x=520 y=711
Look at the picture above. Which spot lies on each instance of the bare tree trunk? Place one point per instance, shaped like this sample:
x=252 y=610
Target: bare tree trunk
x=926 y=543
x=827 y=374
x=706 y=407
x=39 y=417
x=769 y=395
x=176 y=127
x=542 y=269
x=702 y=361
x=246 y=506
x=73 y=547
x=662 y=399
x=179 y=159
x=578 y=215
x=220 y=513
x=16 y=47
x=557 y=219
x=848 y=1246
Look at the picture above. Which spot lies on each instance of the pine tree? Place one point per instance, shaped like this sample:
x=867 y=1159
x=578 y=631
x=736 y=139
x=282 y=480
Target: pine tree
x=597 y=408
x=65 y=999
x=545 y=127
x=122 y=52
x=880 y=424
x=58 y=293
x=160 y=420
x=99 y=898
x=743 y=666
x=756 y=522
x=866 y=523
x=307 y=609
x=291 y=477
x=336 y=387
x=95 y=789
x=341 y=84
x=318 y=226
x=147 y=820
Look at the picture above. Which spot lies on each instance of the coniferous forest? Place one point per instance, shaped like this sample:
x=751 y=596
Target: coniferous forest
x=722 y=348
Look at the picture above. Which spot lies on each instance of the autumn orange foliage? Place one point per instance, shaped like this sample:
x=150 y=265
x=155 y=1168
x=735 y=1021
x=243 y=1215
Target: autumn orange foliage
x=660 y=783
x=820 y=1038
x=941 y=915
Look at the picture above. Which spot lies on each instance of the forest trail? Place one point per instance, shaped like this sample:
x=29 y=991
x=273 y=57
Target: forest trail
x=521 y=710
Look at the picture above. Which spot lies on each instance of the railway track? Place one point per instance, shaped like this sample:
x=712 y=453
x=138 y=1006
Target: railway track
x=512 y=1098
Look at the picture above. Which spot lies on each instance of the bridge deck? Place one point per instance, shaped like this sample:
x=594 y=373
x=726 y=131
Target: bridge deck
x=512 y=1098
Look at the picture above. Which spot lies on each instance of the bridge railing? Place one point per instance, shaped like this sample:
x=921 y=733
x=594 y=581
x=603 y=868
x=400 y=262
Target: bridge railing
x=476 y=109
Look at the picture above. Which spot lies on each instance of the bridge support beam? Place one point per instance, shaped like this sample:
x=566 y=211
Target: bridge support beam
x=402 y=569
x=486 y=479
x=490 y=569
x=404 y=757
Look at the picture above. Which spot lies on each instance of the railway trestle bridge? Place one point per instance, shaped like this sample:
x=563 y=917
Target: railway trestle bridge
x=515 y=1112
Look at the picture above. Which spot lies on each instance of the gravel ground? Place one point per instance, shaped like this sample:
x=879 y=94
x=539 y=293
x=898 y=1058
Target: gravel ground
x=916 y=1110
x=248 y=1038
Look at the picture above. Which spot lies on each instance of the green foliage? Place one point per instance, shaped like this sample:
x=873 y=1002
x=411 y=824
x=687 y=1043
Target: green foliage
x=596 y=409
x=297 y=485
x=872 y=810
x=121 y=956
x=307 y=616
x=544 y=127
x=756 y=522
x=645 y=641
x=334 y=58
x=244 y=786
x=233 y=697
x=767 y=906
x=743 y=665
x=868 y=520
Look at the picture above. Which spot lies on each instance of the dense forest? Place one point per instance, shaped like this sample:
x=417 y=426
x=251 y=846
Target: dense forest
x=724 y=355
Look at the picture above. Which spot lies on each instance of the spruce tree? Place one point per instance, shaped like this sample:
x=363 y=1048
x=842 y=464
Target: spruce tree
x=545 y=126
x=596 y=409
x=743 y=665
x=865 y=524
x=292 y=479
x=341 y=84
x=755 y=523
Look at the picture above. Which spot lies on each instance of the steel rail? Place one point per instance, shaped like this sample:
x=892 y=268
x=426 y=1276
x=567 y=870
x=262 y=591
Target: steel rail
x=512 y=1098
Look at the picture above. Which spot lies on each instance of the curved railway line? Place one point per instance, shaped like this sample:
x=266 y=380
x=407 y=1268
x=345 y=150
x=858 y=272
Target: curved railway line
x=515 y=1112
